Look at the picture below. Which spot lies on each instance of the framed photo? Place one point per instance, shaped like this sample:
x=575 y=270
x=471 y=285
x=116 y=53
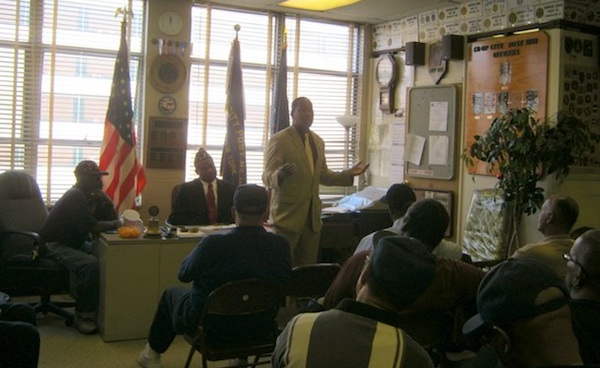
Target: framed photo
x=167 y=143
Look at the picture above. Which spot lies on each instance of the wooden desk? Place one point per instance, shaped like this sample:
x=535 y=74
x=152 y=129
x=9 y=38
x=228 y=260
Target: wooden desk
x=341 y=232
x=133 y=275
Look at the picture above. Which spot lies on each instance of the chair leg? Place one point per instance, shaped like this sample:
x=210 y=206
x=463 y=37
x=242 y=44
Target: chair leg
x=189 y=358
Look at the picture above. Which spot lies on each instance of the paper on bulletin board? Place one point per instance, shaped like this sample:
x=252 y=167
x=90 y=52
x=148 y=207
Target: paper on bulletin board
x=397 y=158
x=438 y=149
x=415 y=145
x=438 y=116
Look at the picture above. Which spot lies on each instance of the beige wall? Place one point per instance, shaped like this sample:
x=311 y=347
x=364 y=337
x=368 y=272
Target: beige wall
x=161 y=181
x=583 y=185
x=376 y=125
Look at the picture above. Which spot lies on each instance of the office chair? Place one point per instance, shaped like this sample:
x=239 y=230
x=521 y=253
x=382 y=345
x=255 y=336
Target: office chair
x=238 y=321
x=22 y=271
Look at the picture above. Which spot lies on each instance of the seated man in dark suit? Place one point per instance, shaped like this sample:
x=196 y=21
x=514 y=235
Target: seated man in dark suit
x=248 y=251
x=192 y=203
x=19 y=338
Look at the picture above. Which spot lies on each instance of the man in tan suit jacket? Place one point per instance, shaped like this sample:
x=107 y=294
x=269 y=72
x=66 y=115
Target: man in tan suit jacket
x=293 y=172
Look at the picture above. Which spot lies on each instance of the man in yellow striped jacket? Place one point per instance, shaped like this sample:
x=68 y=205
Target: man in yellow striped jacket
x=362 y=332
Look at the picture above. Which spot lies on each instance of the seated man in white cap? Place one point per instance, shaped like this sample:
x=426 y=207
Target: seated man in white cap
x=524 y=316
x=362 y=332
x=205 y=200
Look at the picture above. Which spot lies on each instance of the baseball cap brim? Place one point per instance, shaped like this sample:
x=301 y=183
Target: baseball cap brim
x=473 y=325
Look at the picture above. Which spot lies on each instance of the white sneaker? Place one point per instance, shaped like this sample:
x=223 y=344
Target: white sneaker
x=149 y=358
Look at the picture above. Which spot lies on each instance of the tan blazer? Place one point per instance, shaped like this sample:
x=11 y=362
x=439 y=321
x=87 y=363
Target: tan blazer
x=298 y=195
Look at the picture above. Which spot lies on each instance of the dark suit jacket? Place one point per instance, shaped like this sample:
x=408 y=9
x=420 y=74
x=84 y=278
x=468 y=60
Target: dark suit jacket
x=189 y=206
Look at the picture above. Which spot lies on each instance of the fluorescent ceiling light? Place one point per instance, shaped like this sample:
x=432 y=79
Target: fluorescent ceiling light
x=317 y=5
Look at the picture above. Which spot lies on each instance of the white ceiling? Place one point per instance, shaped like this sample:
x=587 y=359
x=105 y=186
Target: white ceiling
x=365 y=11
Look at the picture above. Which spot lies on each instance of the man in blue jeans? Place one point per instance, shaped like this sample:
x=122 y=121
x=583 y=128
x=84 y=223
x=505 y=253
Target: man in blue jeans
x=84 y=210
x=248 y=251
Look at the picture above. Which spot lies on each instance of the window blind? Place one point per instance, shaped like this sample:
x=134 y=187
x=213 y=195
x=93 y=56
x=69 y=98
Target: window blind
x=324 y=64
x=56 y=66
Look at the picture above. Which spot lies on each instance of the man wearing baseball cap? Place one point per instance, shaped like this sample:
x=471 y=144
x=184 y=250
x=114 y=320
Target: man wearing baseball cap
x=68 y=232
x=363 y=332
x=398 y=197
x=247 y=251
x=523 y=315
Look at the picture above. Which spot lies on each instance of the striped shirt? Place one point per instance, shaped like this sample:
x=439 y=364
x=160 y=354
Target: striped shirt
x=353 y=335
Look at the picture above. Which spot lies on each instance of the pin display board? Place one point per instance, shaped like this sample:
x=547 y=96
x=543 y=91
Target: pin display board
x=431 y=140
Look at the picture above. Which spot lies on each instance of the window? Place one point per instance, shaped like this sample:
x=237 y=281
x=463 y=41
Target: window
x=56 y=66
x=324 y=64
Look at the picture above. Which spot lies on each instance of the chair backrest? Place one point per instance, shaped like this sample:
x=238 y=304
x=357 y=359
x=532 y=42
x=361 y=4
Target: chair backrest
x=241 y=309
x=242 y=297
x=312 y=281
x=21 y=209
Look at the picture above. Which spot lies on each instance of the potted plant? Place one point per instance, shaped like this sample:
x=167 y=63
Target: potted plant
x=521 y=150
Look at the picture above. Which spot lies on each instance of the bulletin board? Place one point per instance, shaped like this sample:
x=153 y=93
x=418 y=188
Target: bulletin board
x=431 y=140
x=502 y=74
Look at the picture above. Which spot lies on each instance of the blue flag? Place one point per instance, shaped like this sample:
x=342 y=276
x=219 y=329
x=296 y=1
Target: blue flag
x=233 y=161
x=280 y=113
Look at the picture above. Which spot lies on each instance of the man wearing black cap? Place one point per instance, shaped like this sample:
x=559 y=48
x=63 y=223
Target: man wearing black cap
x=398 y=197
x=67 y=232
x=524 y=316
x=248 y=251
x=205 y=200
x=362 y=333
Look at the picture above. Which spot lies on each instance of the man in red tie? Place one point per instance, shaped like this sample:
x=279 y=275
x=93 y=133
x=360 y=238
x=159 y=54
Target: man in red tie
x=203 y=201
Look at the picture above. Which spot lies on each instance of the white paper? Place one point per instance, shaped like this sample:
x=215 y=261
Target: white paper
x=397 y=155
x=415 y=145
x=438 y=150
x=438 y=116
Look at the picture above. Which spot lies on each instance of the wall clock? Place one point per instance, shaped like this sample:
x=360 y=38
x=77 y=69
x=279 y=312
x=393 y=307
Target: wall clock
x=386 y=73
x=170 y=23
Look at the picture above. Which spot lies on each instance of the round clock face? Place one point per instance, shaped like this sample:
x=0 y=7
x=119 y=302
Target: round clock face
x=170 y=23
x=385 y=71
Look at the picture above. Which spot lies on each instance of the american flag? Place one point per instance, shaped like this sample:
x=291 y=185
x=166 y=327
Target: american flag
x=118 y=155
x=233 y=161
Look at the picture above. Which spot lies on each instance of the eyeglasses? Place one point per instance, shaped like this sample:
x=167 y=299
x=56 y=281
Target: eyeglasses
x=568 y=257
x=496 y=338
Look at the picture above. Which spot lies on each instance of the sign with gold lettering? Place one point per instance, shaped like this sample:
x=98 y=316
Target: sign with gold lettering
x=502 y=74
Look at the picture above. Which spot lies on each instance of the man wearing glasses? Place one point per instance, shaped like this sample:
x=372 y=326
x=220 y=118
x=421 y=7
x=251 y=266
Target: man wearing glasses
x=583 y=281
x=524 y=316
x=556 y=219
